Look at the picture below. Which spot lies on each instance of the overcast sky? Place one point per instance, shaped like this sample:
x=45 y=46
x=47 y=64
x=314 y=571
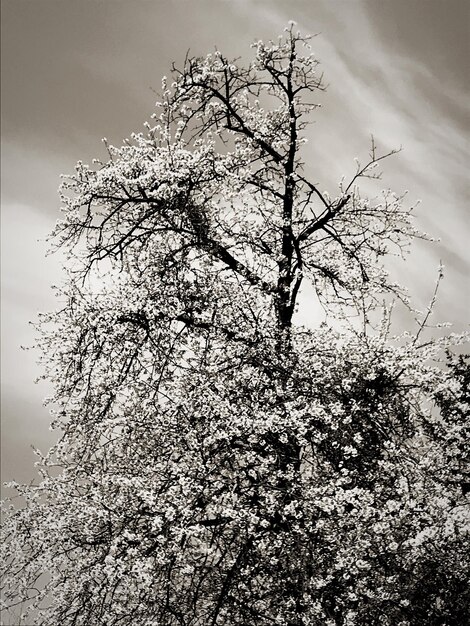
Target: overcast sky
x=74 y=71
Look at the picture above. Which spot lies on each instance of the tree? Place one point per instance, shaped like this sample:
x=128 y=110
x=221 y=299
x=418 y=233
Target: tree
x=219 y=464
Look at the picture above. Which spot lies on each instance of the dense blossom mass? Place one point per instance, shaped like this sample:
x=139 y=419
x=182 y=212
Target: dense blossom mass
x=219 y=464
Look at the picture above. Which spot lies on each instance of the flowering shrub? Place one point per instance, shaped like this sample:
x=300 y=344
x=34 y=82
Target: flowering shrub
x=218 y=463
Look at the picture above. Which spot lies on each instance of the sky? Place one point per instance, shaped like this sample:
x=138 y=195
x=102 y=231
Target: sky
x=75 y=71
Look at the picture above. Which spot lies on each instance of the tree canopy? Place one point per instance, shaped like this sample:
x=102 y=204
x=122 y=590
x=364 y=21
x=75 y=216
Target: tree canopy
x=218 y=463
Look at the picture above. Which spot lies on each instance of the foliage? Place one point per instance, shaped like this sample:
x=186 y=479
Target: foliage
x=218 y=463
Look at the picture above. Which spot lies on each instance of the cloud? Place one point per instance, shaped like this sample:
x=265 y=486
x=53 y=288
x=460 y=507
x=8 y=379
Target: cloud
x=74 y=72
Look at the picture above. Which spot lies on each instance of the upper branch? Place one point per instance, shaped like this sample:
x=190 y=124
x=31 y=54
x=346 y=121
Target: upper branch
x=322 y=221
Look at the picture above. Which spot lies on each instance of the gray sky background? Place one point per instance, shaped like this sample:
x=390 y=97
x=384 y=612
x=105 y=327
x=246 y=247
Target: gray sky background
x=74 y=71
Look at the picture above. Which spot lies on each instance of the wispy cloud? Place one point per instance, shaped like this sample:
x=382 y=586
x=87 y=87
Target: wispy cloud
x=74 y=72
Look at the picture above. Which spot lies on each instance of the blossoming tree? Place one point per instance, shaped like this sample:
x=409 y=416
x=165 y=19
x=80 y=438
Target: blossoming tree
x=218 y=464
